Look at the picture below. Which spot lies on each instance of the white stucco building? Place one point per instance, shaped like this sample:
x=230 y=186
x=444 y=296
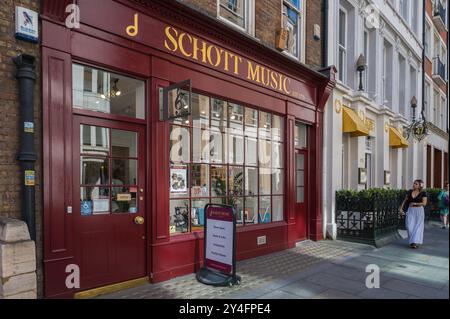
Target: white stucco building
x=364 y=144
x=436 y=92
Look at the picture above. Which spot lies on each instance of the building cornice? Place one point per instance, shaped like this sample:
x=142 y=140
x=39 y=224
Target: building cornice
x=436 y=130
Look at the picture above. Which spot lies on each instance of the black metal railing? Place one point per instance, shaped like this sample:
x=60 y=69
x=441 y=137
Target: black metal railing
x=439 y=68
x=372 y=216
x=367 y=217
x=439 y=11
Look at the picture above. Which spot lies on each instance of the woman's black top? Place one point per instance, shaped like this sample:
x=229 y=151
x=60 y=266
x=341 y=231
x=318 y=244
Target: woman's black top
x=410 y=199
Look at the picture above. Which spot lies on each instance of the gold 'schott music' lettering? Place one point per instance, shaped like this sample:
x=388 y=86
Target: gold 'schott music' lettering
x=199 y=50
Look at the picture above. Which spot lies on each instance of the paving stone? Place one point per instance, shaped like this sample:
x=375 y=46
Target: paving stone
x=304 y=289
x=279 y=294
x=381 y=293
x=347 y=272
x=335 y=294
x=335 y=282
x=416 y=289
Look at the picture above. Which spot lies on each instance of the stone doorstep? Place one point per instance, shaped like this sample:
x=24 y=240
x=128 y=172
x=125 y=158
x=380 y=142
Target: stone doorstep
x=23 y=295
x=17 y=258
x=18 y=284
x=13 y=230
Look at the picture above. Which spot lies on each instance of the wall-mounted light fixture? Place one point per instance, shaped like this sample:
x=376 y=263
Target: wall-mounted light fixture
x=361 y=67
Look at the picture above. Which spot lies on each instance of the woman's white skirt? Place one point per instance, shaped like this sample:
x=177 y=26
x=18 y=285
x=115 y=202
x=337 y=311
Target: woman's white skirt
x=415 y=220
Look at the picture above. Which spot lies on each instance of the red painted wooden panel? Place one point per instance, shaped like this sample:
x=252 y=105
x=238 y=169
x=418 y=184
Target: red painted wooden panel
x=315 y=169
x=159 y=168
x=55 y=9
x=57 y=153
x=55 y=36
x=55 y=278
x=108 y=54
x=307 y=115
x=290 y=173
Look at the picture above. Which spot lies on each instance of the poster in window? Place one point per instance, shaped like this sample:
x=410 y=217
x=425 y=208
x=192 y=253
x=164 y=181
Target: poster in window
x=178 y=179
x=181 y=219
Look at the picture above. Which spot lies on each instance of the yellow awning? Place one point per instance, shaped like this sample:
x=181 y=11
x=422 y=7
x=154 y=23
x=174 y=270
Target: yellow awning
x=352 y=123
x=396 y=140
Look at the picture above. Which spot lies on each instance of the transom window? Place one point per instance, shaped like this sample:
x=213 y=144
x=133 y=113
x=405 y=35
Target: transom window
x=225 y=153
x=106 y=92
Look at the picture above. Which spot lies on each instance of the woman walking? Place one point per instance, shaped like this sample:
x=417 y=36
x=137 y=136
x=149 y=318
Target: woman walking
x=443 y=205
x=413 y=206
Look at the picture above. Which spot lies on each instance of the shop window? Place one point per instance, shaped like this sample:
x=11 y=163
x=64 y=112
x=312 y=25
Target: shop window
x=225 y=153
x=106 y=92
x=301 y=136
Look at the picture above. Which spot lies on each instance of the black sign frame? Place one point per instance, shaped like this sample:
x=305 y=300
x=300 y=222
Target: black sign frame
x=184 y=85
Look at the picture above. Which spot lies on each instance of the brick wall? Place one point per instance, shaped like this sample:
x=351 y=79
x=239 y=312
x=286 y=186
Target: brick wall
x=268 y=21
x=10 y=174
x=314 y=15
x=208 y=7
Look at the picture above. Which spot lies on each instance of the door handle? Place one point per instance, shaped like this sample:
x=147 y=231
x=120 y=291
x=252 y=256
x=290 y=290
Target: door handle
x=138 y=220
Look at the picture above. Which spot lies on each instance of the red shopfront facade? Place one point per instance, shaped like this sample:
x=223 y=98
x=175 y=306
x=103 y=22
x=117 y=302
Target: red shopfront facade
x=123 y=189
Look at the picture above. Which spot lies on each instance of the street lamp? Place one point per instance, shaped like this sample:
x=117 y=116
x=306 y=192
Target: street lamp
x=361 y=67
x=414 y=106
x=418 y=129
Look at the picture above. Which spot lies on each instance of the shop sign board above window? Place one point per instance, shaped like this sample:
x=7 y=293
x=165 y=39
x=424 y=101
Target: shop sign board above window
x=197 y=49
x=27 y=25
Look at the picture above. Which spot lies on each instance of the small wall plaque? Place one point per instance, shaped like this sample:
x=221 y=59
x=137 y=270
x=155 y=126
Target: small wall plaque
x=27 y=25
x=387 y=178
x=362 y=176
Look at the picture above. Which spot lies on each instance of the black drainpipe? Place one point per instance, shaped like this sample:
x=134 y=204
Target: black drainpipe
x=325 y=34
x=27 y=157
